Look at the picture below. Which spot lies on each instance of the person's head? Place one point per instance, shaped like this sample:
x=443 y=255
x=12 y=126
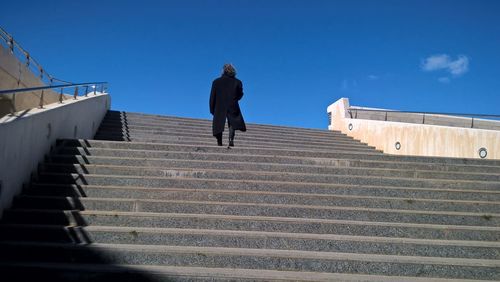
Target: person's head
x=228 y=69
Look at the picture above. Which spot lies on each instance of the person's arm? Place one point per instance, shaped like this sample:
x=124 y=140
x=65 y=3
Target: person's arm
x=212 y=99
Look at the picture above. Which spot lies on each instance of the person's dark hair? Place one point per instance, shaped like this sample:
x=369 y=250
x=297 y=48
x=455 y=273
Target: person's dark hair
x=228 y=69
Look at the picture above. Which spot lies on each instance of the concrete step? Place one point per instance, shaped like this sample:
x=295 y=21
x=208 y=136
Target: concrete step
x=130 y=117
x=44 y=233
x=242 y=137
x=256 y=240
x=211 y=141
x=68 y=202
x=238 y=143
x=269 y=259
x=206 y=127
x=260 y=209
x=197 y=129
x=297 y=165
x=322 y=156
x=149 y=273
x=409 y=194
x=219 y=153
x=132 y=125
x=248 y=180
x=138 y=170
x=252 y=223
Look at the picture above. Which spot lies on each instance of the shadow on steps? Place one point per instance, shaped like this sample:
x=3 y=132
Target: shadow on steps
x=116 y=129
x=42 y=237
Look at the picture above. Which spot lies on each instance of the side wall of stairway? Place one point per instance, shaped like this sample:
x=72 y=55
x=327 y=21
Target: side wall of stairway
x=26 y=138
x=15 y=74
x=415 y=139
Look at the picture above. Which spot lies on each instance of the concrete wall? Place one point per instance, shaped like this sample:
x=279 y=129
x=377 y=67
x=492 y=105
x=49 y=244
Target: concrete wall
x=14 y=74
x=28 y=136
x=415 y=139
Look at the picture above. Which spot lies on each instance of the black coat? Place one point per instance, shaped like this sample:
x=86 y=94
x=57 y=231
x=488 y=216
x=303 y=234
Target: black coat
x=224 y=97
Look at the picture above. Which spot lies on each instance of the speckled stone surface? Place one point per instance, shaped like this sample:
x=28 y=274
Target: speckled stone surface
x=240 y=180
x=289 y=170
x=409 y=194
x=241 y=259
x=308 y=165
x=307 y=204
x=254 y=223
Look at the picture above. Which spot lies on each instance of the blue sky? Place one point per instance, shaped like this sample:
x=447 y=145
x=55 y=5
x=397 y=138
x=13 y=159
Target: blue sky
x=294 y=57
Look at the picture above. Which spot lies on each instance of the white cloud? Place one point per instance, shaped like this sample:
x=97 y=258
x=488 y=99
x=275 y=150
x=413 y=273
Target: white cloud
x=444 y=62
x=444 y=79
x=373 y=77
x=459 y=66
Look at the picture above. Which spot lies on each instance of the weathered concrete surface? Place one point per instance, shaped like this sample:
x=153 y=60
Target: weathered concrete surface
x=415 y=139
x=13 y=75
x=27 y=137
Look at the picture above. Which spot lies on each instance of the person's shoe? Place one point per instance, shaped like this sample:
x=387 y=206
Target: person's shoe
x=231 y=143
x=219 y=141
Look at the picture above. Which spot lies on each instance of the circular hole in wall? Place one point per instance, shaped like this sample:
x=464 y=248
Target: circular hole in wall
x=350 y=126
x=49 y=130
x=75 y=131
x=397 y=145
x=483 y=153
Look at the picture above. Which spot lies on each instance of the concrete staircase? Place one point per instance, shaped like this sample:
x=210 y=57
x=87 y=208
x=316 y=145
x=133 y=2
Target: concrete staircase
x=285 y=204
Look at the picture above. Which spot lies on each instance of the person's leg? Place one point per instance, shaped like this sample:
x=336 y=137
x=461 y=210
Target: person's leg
x=231 y=136
x=231 y=133
x=219 y=139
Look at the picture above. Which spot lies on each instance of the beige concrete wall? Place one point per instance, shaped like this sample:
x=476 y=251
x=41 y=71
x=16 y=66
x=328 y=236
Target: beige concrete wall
x=415 y=139
x=26 y=138
x=15 y=74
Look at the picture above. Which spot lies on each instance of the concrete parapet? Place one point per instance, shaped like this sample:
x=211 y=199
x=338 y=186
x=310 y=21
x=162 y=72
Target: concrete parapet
x=13 y=75
x=27 y=137
x=406 y=134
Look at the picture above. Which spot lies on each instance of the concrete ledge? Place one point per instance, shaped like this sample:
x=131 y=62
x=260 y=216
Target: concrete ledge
x=15 y=74
x=27 y=137
x=415 y=139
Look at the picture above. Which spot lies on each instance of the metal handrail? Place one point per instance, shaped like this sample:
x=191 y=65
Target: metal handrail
x=77 y=86
x=471 y=116
x=17 y=90
x=29 y=61
x=426 y=113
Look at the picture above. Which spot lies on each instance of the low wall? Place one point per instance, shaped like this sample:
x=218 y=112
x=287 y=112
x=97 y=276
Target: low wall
x=415 y=139
x=27 y=137
x=15 y=74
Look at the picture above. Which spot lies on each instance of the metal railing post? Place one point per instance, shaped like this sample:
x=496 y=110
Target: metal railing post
x=95 y=89
x=61 y=95
x=11 y=44
x=76 y=93
x=423 y=118
x=41 y=100
x=102 y=88
x=86 y=91
x=472 y=123
x=13 y=108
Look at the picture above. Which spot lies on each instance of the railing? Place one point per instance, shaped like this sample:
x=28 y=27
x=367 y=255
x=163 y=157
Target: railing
x=425 y=116
x=78 y=88
x=24 y=57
